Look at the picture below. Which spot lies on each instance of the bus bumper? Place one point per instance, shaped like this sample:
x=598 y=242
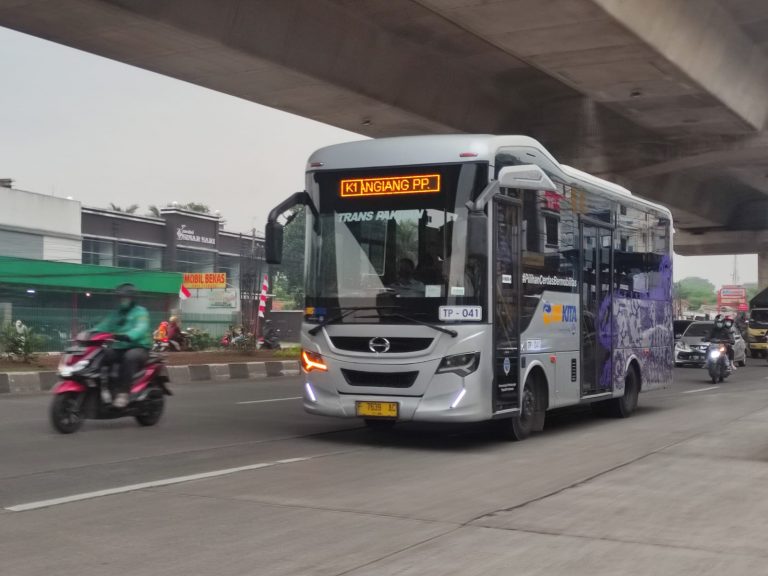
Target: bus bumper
x=448 y=398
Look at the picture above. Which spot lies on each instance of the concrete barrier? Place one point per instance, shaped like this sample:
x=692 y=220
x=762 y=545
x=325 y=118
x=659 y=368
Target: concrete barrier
x=178 y=373
x=238 y=370
x=21 y=382
x=199 y=372
x=219 y=371
x=30 y=382
x=257 y=370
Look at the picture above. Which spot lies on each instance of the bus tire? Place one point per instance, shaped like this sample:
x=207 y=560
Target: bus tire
x=531 y=417
x=625 y=406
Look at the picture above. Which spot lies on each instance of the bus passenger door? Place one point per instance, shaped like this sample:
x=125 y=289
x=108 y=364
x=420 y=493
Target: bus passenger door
x=596 y=310
x=506 y=302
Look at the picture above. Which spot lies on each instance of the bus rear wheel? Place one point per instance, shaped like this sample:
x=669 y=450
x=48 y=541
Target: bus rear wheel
x=625 y=406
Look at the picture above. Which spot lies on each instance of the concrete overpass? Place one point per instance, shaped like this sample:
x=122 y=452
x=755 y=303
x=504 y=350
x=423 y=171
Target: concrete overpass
x=669 y=97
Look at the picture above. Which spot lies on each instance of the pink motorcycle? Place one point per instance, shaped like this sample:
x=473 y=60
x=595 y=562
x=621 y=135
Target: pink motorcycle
x=86 y=381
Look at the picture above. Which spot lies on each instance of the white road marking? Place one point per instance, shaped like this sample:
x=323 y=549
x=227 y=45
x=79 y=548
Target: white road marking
x=270 y=400
x=700 y=390
x=153 y=484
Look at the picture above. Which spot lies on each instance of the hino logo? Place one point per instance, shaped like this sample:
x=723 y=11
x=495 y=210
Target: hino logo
x=378 y=345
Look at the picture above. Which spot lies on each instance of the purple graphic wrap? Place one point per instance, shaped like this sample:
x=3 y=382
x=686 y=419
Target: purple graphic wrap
x=642 y=329
x=604 y=336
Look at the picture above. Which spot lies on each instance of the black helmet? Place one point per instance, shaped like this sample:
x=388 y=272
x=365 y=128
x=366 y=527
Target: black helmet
x=126 y=290
x=719 y=321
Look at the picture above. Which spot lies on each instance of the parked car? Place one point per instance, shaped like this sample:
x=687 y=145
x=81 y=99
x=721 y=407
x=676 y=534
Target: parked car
x=691 y=345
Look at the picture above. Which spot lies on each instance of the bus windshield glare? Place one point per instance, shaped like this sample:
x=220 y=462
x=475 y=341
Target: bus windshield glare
x=395 y=239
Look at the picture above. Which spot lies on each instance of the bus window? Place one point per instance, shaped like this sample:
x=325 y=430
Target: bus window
x=631 y=244
x=657 y=264
x=550 y=256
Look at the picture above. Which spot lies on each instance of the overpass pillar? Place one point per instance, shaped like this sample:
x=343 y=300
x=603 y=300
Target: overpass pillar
x=762 y=271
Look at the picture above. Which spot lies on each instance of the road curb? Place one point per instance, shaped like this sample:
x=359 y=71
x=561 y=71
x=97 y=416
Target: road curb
x=31 y=382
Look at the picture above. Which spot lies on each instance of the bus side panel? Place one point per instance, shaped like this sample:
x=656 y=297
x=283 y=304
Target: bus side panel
x=643 y=331
x=553 y=329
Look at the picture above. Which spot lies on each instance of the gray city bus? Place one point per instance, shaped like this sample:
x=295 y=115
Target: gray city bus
x=461 y=278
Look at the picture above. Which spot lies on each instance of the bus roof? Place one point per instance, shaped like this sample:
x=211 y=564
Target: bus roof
x=452 y=148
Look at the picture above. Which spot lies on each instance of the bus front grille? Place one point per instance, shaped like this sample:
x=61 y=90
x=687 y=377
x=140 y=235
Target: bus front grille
x=396 y=344
x=380 y=379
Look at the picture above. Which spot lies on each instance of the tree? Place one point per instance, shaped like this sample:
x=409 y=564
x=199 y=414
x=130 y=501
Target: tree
x=696 y=291
x=130 y=210
x=196 y=207
x=154 y=211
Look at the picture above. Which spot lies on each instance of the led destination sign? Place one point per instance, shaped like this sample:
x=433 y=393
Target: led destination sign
x=389 y=186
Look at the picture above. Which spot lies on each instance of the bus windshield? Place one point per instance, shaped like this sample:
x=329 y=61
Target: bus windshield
x=759 y=317
x=394 y=239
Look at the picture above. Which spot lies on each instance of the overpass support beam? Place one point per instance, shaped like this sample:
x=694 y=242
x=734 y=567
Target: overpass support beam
x=701 y=39
x=762 y=270
x=723 y=242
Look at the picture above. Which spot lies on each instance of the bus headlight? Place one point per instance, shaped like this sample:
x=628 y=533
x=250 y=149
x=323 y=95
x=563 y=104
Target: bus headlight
x=461 y=364
x=312 y=361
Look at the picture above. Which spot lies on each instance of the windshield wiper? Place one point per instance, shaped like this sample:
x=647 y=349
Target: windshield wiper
x=346 y=312
x=448 y=331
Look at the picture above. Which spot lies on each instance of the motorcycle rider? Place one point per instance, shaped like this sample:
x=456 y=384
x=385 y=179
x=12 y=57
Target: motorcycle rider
x=723 y=332
x=161 y=334
x=175 y=336
x=133 y=335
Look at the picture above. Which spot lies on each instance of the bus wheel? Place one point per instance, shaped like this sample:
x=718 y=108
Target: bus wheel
x=520 y=427
x=624 y=407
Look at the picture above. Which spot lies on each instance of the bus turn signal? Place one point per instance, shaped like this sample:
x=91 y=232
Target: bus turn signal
x=312 y=361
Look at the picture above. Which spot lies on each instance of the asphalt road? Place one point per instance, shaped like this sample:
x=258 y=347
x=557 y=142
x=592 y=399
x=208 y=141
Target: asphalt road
x=679 y=488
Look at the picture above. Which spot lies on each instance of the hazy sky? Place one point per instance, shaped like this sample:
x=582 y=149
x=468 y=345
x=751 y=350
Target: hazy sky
x=74 y=124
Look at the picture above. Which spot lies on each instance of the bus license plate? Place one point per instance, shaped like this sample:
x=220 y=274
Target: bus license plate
x=377 y=409
x=460 y=313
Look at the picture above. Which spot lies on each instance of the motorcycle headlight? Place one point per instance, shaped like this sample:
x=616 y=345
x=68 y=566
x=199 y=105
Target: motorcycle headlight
x=67 y=371
x=714 y=354
x=461 y=364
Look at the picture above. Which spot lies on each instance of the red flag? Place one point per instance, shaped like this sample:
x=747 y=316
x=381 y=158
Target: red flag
x=184 y=293
x=263 y=297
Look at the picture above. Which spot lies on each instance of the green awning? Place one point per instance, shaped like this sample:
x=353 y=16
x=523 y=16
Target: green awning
x=34 y=273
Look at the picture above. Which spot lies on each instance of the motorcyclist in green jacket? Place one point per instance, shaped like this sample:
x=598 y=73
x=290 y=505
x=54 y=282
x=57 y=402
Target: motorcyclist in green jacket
x=133 y=340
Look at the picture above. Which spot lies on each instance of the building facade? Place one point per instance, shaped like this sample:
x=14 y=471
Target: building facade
x=181 y=241
x=222 y=267
x=39 y=227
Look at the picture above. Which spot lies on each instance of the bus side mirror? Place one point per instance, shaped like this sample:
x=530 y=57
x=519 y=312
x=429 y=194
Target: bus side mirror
x=526 y=177
x=273 y=243
x=273 y=232
x=477 y=234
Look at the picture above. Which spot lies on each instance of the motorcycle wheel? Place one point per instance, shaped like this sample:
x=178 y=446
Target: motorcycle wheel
x=153 y=412
x=65 y=412
x=713 y=374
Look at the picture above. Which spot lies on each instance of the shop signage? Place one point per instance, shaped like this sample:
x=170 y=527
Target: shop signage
x=734 y=297
x=185 y=233
x=195 y=280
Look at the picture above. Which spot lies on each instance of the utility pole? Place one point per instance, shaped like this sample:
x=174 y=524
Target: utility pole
x=735 y=270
